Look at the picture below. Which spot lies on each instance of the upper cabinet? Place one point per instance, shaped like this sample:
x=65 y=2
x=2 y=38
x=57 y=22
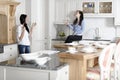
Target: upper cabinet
x=117 y=12
x=98 y=8
x=64 y=10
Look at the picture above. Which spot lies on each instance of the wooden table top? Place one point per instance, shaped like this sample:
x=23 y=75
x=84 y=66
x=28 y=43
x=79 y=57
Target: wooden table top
x=64 y=46
x=77 y=55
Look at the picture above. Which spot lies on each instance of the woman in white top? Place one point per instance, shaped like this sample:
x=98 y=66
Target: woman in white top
x=24 y=34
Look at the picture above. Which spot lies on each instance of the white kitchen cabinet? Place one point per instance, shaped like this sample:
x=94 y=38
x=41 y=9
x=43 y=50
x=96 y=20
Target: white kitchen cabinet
x=10 y=52
x=25 y=74
x=61 y=74
x=98 y=8
x=117 y=12
x=1 y=73
x=39 y=15
x=38 y=45
x=21 y=73
x=65 y=9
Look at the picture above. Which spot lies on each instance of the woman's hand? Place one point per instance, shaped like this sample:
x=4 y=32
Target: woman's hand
x=117 y=41
x=34 y=24
x=66 y=23
x=31 y=29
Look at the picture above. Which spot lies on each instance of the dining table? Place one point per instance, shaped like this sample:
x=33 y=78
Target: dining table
x=78 y=61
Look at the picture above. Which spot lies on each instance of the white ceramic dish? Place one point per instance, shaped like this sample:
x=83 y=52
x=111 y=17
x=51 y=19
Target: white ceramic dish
x=30 y=56
x=85 y=42
x=103 y=42
x=88 y=50
x=72 y=44
x=42 y=61
x=72 y=52
x=101 y=46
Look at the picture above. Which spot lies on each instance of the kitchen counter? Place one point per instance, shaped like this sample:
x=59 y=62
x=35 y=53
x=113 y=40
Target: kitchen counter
x=31 y=72
x=59 y=39
x=33 y=66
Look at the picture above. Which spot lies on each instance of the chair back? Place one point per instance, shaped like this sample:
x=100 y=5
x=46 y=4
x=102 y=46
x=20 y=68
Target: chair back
x=117 y=62
x=105 y=60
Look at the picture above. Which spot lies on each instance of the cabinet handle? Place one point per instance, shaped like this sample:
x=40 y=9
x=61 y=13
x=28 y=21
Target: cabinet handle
x=66 y=72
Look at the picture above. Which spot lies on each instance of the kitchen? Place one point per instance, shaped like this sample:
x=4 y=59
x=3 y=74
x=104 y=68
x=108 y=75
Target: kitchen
x=51 y=15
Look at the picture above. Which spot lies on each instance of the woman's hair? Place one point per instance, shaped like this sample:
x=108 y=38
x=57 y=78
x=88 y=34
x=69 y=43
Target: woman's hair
x=81 y=18
x=23 y=21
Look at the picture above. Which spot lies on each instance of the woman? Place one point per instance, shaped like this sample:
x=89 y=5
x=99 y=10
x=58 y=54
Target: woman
x=77 y=27
x=24 y=34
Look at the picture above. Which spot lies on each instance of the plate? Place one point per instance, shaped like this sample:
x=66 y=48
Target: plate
x=72 y=52
x=88 y=50
x=71 y=44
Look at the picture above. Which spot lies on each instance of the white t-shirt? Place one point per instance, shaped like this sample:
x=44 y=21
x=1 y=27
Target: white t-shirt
x=25 y=40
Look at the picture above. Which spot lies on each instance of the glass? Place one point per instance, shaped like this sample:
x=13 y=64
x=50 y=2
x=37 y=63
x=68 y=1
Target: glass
x=88 y=7
x=105 y=7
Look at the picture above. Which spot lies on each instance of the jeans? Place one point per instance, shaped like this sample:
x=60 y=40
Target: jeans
x=72 y=38
x=23 y=49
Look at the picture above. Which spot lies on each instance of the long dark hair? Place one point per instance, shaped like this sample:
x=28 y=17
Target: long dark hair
x=23 y=21
x=81 y=18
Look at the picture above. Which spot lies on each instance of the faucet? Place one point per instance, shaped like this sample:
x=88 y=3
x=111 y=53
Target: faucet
x=97 y=34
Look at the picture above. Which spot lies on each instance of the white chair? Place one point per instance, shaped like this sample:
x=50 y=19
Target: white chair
x=105 y=60
x=117 y=63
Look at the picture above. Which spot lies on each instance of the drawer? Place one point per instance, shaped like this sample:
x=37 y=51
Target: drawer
x=10 y=52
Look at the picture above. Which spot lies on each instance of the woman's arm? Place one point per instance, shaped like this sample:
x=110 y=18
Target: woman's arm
x=31 y=29
x=70 y=26
x=20 y=33
x=82 y=25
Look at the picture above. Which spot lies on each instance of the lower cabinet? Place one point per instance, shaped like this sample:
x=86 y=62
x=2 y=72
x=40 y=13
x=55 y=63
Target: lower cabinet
x=18 y=73
x=25 y=74
x=1 y=73
x=10 y=52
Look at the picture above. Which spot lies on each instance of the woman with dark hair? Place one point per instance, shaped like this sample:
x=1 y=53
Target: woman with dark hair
x=24 y=34
x=77 y=27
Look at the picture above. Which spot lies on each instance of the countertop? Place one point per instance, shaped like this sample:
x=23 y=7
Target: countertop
x=59 y=39
x=33 y=66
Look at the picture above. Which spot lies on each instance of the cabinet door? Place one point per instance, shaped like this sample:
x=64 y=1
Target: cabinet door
x=71 y=7
x=38 y=45
x=61 y=74
x=1 y=73
x=10 y=51
x=25 y=74
x=100 y=8
x=60 y=11
x=117 y=12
